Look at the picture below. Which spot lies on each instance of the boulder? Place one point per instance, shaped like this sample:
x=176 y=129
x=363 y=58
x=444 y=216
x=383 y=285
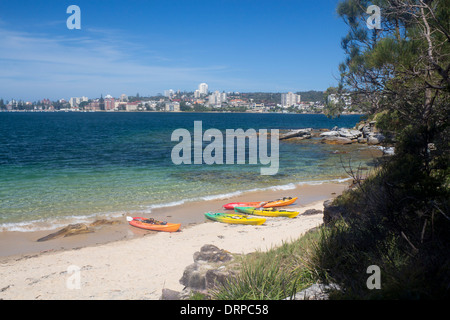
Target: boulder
x=207 y=270
x=366 y=131
x=349 y=133
x=303 y=133
x=336 y=140
x=374 y=139
x=311 y=212
x=193 y=277
x=168 y=294
x=362 y=140
x=213 y=277
x=330 y=134
x=210 y=253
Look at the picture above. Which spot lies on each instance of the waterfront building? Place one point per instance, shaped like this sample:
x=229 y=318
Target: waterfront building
x=172 y=106
x=290 y=99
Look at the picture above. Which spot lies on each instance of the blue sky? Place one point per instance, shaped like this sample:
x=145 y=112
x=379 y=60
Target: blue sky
x=147 y=47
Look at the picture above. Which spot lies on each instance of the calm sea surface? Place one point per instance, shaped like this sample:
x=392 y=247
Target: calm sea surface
x=78 y=165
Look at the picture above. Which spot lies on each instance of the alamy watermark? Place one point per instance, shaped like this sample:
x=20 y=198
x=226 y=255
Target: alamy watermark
x=374 y=281
x=213 y=153
x=74 y=21
x=374 y=21
x=73 y=282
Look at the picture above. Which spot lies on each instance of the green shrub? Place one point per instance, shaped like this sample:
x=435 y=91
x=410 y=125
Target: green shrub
x=273 y=275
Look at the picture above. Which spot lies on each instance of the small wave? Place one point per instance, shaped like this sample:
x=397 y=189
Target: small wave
x=223 y=196
x=164 y=205
x=60 y=222
x=57 y=222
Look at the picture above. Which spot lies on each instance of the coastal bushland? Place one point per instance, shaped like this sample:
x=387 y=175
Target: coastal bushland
x=276 y=274
x=398 y=218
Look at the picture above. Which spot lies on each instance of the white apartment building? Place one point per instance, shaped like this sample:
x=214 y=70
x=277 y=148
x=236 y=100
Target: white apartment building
x=75 y=101
x=289 y=99
x=217 y=98
x=203 y=88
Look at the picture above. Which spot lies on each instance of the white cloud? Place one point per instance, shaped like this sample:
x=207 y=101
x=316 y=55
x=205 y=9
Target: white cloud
x=34 y=66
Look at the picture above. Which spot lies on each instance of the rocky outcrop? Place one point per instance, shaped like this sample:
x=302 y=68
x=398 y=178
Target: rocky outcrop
x=369 y=133
x=343 y=132
x=363 y=132
x=70 y=230
x=311 y=212
x=102 y=222
x=374 y=138
x=299 y=134
x=340 y=136
x=208 y=270
x=350 y=133
x=77 y=228
x=336 y=140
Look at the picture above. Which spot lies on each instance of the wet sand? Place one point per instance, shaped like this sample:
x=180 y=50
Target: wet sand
x=123 y=262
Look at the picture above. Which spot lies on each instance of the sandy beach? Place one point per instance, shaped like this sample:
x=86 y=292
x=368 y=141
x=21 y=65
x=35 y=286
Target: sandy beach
x=122 y=262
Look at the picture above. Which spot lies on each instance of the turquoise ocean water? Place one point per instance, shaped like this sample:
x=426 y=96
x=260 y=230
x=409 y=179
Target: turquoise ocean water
x=78 y=165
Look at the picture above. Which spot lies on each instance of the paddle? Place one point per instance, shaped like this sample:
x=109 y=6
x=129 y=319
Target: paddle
x=262 y=203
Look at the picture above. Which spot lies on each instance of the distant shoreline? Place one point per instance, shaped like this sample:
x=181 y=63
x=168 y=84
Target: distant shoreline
x=175 y=112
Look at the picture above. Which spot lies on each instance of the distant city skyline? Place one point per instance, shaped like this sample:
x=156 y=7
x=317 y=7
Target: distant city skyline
x=148 y=47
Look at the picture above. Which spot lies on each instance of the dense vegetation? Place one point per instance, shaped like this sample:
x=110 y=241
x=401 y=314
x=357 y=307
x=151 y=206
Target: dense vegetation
x=398 y=218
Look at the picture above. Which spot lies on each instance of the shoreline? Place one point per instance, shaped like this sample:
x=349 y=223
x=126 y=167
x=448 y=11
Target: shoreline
x=16 y=243
x=123 y=262
x=174 y=112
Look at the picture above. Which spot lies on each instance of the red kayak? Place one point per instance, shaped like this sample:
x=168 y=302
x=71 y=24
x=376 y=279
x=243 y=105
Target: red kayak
x=151 y=224
x=261 y=204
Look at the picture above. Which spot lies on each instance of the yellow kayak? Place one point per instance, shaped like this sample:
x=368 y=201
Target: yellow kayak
x=268 y=212
x=234 y=218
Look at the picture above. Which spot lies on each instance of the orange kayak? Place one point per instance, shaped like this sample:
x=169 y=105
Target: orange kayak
x=144 y=223
x=262 y=204
x=280 y=202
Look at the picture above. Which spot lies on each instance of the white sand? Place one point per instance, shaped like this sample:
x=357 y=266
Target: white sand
x=140 y=268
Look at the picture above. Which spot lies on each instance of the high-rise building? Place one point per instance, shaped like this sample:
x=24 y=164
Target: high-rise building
x=217 y=98
x=75 y=101
x=289 y=99
x=203 y=88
